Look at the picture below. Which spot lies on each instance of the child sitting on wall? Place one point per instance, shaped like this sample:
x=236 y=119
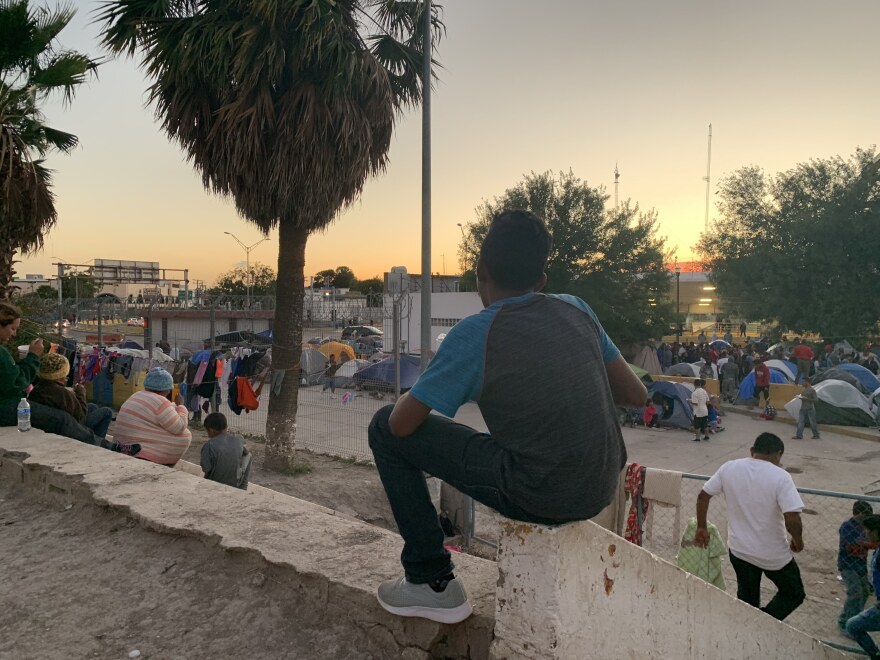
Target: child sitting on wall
x=225 y=459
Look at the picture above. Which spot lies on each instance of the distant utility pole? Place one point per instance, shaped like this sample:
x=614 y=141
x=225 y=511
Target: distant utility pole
x=616 y=183
x=707 y=178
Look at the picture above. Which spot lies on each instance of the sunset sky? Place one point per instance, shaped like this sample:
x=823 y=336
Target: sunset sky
x=527 y=86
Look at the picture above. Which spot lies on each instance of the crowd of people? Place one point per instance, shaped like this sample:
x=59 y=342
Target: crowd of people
x=151 y=424
x=535 y=464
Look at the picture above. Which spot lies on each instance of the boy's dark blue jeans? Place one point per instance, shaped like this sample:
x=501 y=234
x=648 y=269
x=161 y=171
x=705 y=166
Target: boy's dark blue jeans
x=466 y=459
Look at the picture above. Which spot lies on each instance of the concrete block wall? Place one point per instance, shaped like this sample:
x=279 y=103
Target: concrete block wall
x=579 y=591
x=334 y=563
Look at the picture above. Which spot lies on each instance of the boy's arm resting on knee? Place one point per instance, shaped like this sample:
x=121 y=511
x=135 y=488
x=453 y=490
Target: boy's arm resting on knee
x=407 y=416
x=626 y=388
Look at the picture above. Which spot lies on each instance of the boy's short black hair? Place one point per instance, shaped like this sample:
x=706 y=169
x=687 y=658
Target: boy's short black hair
x=768 y=443
x=515 y=249
x=215 y=421
x=862 y=508
x=871 y=523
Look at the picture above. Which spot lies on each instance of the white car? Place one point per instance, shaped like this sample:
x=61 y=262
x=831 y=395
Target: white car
x=138 y=321
x=64 y=324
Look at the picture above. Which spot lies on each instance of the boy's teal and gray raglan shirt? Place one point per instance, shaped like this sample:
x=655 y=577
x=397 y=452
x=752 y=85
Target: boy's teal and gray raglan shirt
x=535 y=365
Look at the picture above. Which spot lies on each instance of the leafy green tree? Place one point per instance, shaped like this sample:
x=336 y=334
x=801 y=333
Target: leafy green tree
x=235 y=281
x=373 y=289
x=286 y=107
x=343 y=278
x=46 y=292
x=323 y=278
x=611 y=258
x=78 y=285
x=33 y=65
x=800 y=249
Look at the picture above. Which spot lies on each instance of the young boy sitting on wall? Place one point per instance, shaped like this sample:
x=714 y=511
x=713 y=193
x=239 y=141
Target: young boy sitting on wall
x=225 y=459
x=553 y=453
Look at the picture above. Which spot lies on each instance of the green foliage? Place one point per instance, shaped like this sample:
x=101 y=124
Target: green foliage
x=46 y=292
x=340 y=278
x=32 y=66
x=296 y=469
x=78 y=285
x=287 y=108
x=612 y=259
x=234 y=282
x=373 y=289
x=800 y=249
x=344 y=278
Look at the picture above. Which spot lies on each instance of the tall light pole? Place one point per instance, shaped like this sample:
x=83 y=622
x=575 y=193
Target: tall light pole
x=677 y=303
x=247 y=252
x=425 y=320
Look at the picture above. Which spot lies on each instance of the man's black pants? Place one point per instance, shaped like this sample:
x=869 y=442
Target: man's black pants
x=787 y=579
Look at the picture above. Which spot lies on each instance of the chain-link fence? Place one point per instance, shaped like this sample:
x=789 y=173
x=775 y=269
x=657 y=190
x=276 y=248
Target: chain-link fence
x=824 y=512
x=348 y=371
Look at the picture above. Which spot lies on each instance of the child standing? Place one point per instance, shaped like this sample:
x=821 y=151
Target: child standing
x=649 y=417
x=852 y=561
x=225 y=459
x=700 y=400
x=714 y=415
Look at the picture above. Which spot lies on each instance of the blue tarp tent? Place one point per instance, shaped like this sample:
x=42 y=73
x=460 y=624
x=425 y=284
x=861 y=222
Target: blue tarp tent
x=265 y=334
x=672 y=404
x=381 y=374
x=747 y=386
x=866 y=378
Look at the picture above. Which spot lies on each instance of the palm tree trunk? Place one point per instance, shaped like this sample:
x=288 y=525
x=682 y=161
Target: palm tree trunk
x=286 y=346
x=7 y=268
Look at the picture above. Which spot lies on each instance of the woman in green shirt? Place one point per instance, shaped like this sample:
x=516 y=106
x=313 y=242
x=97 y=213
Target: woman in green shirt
x=15 y=378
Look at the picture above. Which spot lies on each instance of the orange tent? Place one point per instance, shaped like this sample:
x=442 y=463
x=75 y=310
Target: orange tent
x=337 y=349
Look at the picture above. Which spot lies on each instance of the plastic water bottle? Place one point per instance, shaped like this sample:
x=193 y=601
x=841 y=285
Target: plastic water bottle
x=24 y=415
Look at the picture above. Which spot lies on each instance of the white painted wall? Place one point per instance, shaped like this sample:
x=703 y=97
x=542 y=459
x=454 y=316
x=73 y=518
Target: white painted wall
x=455 y=306
x=578 y=591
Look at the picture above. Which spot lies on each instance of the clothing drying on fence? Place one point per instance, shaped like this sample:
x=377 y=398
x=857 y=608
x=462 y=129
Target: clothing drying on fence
x=638 y=508
x=705 y=563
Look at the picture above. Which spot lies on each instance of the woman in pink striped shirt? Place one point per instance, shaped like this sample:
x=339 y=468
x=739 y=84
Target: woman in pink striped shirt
x=150 y=419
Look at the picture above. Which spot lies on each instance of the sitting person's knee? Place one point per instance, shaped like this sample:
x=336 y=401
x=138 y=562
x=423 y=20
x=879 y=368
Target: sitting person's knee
x=379 y=425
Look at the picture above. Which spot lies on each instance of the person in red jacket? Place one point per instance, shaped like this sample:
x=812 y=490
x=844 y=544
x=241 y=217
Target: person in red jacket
x=804 y=356
x=762 y=381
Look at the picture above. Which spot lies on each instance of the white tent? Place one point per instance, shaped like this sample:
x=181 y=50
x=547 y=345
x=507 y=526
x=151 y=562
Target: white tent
x=647 y=360
x=839 y=403
x=781 y=366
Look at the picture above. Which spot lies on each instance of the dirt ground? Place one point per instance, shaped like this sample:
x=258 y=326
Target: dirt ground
x=82 y=582
x=344 y=485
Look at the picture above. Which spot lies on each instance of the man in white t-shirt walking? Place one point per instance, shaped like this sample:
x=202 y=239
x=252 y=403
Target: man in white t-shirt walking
x=762 y=505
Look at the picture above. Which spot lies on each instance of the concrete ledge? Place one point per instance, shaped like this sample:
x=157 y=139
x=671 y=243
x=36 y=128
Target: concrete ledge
x=579 y=591
x=338 y=561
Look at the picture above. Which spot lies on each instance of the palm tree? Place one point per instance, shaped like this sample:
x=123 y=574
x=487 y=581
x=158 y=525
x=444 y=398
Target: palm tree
x=286 y=107
x=32 y=66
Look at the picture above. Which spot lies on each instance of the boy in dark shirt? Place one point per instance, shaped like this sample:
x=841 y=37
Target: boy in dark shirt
x=852 y=562
x=553 y=453
x=225 y=459
x=869 y=620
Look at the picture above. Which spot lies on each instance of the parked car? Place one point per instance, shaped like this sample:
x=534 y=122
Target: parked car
x=136 y=321
x=355 y=331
